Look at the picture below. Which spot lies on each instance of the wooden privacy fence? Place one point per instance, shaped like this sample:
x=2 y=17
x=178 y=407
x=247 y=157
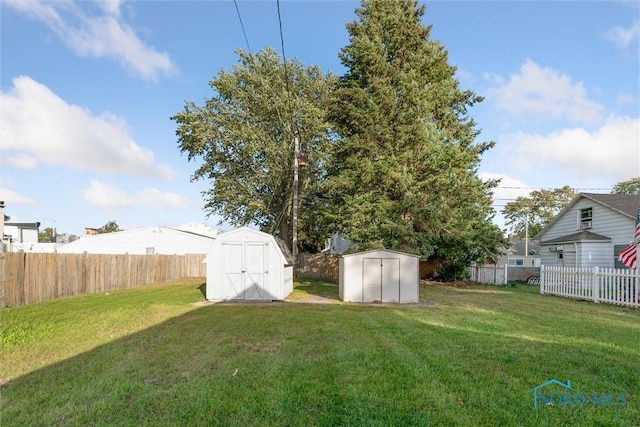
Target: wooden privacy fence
x=489 y=274
x=35 y=277
x=616 y=286
x=318 y=266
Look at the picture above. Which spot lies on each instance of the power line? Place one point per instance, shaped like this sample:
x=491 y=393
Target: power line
x=284 y=60
x=296 y=146
x=242 y=26
x=551 y=188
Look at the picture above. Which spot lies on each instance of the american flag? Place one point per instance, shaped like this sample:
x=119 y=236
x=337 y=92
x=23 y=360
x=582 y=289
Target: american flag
x=629 y=255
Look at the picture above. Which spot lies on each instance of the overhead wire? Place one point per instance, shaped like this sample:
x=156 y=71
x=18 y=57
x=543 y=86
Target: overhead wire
x=286 y=69
x=292 y=125
x=278 y=217
x=242 y=26
x=551 y=188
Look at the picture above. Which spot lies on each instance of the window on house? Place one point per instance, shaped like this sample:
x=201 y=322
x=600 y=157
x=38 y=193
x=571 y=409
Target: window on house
x=586 y=218
x=516 y=261
x=559 y=256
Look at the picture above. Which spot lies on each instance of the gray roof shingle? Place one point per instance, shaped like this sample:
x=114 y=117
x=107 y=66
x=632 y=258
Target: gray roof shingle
x=625 y=203
x=577 y=237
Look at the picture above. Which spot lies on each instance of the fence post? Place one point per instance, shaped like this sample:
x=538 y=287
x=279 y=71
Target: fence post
x=636 y=286
x=506 y=274
x=595 y=284
x=542 y=279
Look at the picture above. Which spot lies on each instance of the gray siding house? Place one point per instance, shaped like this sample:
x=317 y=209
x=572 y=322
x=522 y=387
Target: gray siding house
x=590 y=231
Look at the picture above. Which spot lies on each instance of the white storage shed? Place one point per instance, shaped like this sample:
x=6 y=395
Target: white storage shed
x=247 y=264
x=379 y=275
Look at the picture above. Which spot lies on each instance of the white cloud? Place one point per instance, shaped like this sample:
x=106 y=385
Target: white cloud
x=610 y=151
x=11 y=197
x=625 y=38
x=105 y=35
x=543 y=92
x=107 y=196
x=18 y=160
x=626 y=99
x=111 y=6
x=104 y=195
x=40 y=127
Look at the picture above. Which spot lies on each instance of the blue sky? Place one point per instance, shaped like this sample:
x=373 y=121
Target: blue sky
x=88 y=89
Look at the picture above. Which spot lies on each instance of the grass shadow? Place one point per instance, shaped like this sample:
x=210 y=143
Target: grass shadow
x=319 y=288
x=203 y=290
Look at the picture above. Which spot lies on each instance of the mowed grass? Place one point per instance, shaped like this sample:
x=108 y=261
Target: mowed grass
x=148 y=357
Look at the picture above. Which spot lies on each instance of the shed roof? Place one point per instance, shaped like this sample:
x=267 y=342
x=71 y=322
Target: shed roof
x=381 y=250
x=280 y=244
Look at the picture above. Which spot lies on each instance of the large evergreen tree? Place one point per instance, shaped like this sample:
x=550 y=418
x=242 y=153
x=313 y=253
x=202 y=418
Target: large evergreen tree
x=243 y=139
x=404 y=173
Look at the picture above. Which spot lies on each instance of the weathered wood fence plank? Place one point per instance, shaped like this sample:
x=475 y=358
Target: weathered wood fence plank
x=26 y=278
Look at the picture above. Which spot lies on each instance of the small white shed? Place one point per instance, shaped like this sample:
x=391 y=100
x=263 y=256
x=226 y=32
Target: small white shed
x=379 y=275
x=247 y=264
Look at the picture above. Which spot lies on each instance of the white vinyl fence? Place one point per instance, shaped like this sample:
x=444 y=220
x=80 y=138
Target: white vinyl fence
x=616 y=286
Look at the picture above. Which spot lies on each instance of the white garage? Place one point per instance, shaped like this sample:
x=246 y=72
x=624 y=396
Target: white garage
x=379 y=275
x=142 y=241
x=247 y=264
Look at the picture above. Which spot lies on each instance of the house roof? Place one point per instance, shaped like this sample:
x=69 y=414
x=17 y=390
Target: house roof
x=580 y=236
x=163 y=240
x=625 y=204
x=198 y=228
x=22 y=224
x=518 y=246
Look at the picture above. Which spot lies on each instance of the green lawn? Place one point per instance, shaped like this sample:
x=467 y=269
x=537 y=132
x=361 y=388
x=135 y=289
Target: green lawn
x=147 y=356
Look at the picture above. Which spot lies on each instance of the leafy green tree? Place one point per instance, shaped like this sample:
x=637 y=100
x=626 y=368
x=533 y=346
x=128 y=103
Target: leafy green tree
x=242 y=138
x=404 y=174
x=631 y=186
x=47 y=235
x=109 y=227
x=529 y=215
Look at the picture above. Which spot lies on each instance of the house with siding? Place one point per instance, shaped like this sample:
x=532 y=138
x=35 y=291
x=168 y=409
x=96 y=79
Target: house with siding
x=520 y=253
x=590 y=231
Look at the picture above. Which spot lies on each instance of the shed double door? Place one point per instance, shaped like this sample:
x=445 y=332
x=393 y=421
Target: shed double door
x=244 y=270
x=381 y=279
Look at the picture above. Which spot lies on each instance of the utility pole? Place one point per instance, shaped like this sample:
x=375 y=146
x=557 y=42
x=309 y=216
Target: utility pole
x=294 y=213
x=526 y=236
